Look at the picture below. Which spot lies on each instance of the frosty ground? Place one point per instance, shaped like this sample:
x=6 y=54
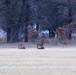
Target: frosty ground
x=32 y=61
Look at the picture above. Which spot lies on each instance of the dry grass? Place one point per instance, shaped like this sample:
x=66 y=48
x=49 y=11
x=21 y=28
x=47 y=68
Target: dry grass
x=30 y=61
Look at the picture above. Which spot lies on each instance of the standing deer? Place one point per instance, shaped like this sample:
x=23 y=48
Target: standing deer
x=64 y=33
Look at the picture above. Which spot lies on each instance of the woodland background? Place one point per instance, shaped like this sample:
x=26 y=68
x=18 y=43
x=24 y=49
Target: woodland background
x=17 y=15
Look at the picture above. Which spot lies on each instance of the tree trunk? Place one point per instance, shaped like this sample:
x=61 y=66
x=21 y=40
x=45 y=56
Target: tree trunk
x=14 y=38
x=70 y=12
x=27 y=20
x=37 y=26
x=15 y=29
x=70 y=16
x=26 y=33
x=49 y=33
x=14 y=34
x=7 y=3
x=8 y=34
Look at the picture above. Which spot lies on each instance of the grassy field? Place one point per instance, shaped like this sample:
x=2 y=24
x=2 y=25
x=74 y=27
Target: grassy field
x=53 y=61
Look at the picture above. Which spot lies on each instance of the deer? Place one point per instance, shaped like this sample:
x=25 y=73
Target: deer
x=64 y=33
x=33 y=34
x=21 y=44
x=40 y=42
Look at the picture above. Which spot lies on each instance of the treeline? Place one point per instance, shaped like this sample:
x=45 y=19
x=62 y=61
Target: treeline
x=46 y=14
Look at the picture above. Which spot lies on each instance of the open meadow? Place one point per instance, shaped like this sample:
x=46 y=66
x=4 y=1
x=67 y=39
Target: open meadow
x=32 y=61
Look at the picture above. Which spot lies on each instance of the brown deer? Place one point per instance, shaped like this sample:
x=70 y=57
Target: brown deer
x=32 y=33
x=61 y=34
x=64 y=33
x=21 y=46
x=40 y=42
